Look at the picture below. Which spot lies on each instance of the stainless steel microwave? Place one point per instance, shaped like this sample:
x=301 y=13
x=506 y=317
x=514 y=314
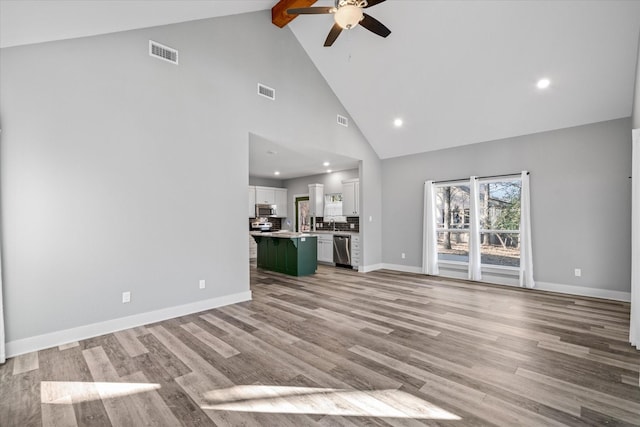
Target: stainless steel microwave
x=266 y=211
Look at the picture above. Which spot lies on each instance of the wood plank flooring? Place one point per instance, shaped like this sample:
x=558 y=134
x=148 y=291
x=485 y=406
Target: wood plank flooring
x=342 y=348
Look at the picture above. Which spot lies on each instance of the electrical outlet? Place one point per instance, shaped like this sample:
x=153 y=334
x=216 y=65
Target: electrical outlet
x=202 y=284
x=126 y=297
x=403 y=255
x=577 y=272
x=352 y=226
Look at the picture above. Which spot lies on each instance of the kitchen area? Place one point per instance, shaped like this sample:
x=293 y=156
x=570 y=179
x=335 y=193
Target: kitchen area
x=306 y=218
x=330 y=221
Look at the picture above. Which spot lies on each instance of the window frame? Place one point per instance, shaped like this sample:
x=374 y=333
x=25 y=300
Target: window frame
x=487 y=268
x=438 y=186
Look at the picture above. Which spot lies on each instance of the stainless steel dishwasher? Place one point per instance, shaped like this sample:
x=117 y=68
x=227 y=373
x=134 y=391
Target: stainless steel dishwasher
x=342 y=250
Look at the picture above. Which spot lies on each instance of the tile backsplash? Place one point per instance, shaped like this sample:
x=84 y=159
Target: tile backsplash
x=326 y=226
x=340 y=226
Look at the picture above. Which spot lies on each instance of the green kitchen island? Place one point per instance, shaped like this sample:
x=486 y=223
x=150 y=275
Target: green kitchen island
x=295 y=254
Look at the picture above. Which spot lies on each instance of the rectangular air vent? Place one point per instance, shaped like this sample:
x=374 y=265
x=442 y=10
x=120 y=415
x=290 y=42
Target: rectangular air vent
x=163 y=52
x=342 y=120
x=266 y=91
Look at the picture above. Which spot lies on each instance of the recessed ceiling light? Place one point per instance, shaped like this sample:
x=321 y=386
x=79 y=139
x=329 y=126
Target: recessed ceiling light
x=329 y=171
x=325 y=164
x=397 y=122
x=543 y=83
x=276 y=173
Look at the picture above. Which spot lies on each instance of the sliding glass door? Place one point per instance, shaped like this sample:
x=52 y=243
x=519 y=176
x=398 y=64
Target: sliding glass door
x=477 y=225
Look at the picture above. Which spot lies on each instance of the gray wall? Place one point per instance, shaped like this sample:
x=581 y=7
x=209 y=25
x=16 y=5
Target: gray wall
x=580 y=196
x=266 y=182
x=332 y=184
x=118 y=169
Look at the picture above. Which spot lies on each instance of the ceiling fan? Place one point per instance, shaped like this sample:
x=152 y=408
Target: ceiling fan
x=347 y=14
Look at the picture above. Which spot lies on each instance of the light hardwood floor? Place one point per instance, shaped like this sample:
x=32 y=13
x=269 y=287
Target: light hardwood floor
x=345 y=349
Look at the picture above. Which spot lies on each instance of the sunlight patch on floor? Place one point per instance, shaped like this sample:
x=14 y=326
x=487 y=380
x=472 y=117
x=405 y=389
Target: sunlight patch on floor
x=323 y=401
x=68 y=392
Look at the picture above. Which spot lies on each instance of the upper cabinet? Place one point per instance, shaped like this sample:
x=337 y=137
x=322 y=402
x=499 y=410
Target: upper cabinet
x=316 y=200
x=265 y=196
x=351 y=197
x=252 y=201
x=268 y=196
x=281 y=202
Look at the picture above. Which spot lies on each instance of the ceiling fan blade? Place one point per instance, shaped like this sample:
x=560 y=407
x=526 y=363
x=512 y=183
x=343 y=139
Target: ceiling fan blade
x=310 y=10
x=373 y=3
x=333 y=35
x=375 y=26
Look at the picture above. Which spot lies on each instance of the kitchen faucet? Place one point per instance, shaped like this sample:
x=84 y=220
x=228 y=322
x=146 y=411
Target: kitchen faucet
x=333 y=221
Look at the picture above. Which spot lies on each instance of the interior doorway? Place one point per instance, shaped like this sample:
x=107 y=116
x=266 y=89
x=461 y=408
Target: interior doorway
x=303 y=220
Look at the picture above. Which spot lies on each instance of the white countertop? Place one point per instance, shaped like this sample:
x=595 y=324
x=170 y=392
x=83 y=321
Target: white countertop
x=289 y=234
x=281 y=234
x=337 y=232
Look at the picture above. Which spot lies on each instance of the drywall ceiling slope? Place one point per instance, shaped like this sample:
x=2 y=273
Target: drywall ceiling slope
x=464 y=72
x=457 y=72
x=34 y=21
x=266 y=157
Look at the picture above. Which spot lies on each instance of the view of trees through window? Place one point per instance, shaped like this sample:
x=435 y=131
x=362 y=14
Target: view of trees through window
x=452 y=222
x=499 y=222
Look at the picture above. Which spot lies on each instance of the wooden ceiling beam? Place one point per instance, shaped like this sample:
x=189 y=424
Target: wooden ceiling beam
x=279 y=15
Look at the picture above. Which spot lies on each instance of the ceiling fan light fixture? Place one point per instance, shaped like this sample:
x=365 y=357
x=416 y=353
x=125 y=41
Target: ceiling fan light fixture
x=348 y=16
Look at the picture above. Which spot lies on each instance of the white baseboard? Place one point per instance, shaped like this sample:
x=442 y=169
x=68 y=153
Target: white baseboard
x=53 y=339
x=369 y=268
x=403 y=268
x=543 y=286
x=584 y=291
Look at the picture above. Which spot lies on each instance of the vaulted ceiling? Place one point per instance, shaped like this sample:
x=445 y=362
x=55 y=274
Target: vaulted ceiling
x=455 y=72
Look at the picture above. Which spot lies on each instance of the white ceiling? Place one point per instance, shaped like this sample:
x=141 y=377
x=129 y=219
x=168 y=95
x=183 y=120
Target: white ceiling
x=266 y=157
x=461 y=72
x=457 y=72
x=35 y=21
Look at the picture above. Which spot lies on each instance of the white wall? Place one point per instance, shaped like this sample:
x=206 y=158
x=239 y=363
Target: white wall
x=580 y=196
x=123 y=172
x=636 y=98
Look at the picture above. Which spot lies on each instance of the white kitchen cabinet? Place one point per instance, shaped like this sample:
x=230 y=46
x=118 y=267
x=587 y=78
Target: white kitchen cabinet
x=252 y=201
x=355 y=251
x=325 y=248
x=272 y=196
x=316 y=200
x=351 y=197
x=265 y=195
x=281 y=202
